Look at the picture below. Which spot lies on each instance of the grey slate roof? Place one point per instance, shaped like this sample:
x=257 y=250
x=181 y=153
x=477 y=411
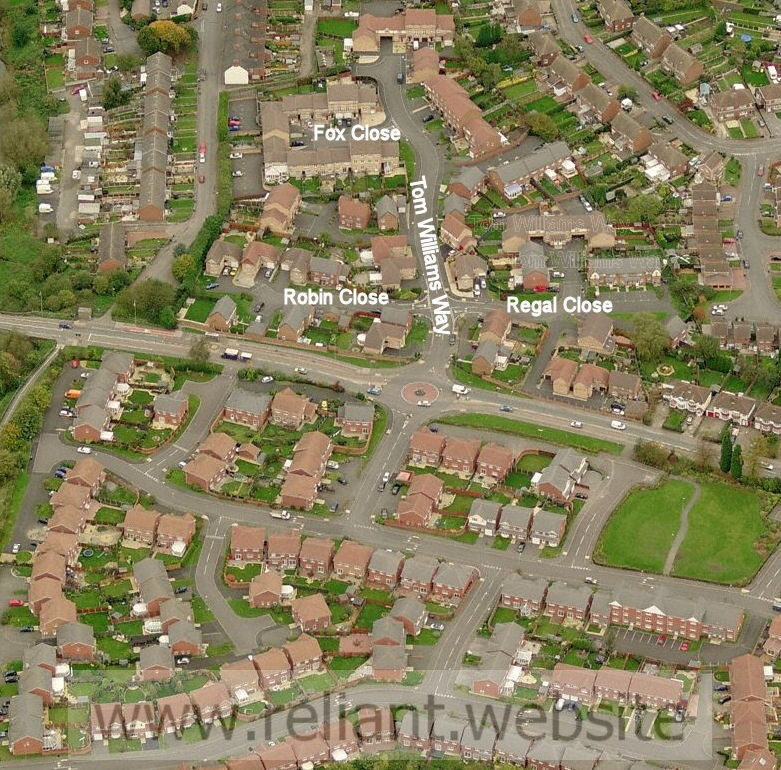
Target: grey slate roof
x=419 y=569
x=356 y=412
x=525 y=587
x=75 y=633
x=389 y=627
x=548 y=154
x=169 y=402
x=156 y=655
x=247 y=401
x=25 y=715
x=225 y=306
x=41 y=654
x=385 y=561
x=409 y=607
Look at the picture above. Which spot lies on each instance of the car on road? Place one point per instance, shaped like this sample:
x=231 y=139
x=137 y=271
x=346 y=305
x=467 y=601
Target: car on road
x=452 y=339
x=767 y=466
x=219 y=7
x=588 y=39
x=268 y=378
x=436 y=626
x=592 y=581
x=384 y=513
x=201 y=178
x=211 y=285
x=684 y=646
x=84 y=450
x=576 y=424
x=660 y=640
x=372 y=391
x=761 y=171
x=657 y=97
x=395 y=489
x=301 y=370
x=236 y=155
x=341 y=480
x=617 y=425
x=505 y=408
x=15 y=603
x=739 y=235
x=575 y=18
x=27 y=629
x=64 y=325
x=66 y=413
x=237 y=173
x=15 y=548
x=745 y=264
x=521 y=547
x=424 y=403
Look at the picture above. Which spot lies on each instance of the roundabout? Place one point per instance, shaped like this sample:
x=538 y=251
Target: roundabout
x=414 y=392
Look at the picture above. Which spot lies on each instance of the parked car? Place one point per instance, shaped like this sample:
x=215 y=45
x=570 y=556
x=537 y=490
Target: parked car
x=180 y=590
x=27 y=629
x=505 y=408
x=183 y=660
x=436 y=626
x=588 y=39
x=268 y=378
x=211 y=285
x=65 y=413
x=656 y=96
x=660 y=640
x=725 y=699
x=84 y=450
x=236 y=155
x=576 y=424
x=60 y=474
x=341 y=479
x=237 y=173
x=15 y=603
x=592 y=581
x=761 y=171
x=521 y=547
x=301 y=370
x=684 y=646
x=219 y=7
x=16 y=547
x=395 y=489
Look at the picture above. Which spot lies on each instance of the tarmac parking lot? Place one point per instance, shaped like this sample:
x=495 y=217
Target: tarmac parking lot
x=249 y=184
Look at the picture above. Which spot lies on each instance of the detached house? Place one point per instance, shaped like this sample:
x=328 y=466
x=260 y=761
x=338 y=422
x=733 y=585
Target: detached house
x=682 y=65
x=290 y=410
x=653 y=40
x=425 y=448
x=304 y=654
x=353 y=214
x=451 y=583
x=385 y=568
x=311 y=613
x=246 y=408
x=352 y=560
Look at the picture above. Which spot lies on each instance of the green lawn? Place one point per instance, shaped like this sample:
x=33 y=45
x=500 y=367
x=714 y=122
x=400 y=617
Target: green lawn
x=726 y=533
x=641 y=530
x=530 y=430
x=199 y=310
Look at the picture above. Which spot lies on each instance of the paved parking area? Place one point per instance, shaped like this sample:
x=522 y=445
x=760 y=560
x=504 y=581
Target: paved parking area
x=645 y=645
x=250 y=184
x=246 y=110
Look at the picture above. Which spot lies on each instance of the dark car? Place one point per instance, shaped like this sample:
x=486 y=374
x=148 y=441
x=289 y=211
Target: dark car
x=428 y=118
x=211 y=285
x=341 y=479
x=181 y=590
x=43 y=521
x=725 y=699
x=60 y=473
x=27 y=629
x=395 y=489
x=334 y=507
x=721 y=687
x=64 y=325
x=521 y=547
x=296 y=143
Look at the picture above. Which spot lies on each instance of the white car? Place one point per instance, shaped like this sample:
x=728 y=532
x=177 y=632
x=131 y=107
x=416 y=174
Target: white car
x=767 y=466
x=16 y=548
x=301 y=370
x=576 y=424
x=219 y=7
x=84 y=375
x=268 y=378
x=236 y=155
x=84 y=450
x=65 y=412
x=424 y=403
x=237 y=173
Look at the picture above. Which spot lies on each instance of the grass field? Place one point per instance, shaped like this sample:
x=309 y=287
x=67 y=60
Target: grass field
x=641 y=530
x=725 y=526
x=199 y=310
x=530 y=430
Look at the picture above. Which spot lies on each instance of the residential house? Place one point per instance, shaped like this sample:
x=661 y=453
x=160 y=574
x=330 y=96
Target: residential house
x=454 y=232
x=567 y=76
x=459 y=456
x=305 y=655
x=204 y=472
x=185 y=639
x=566 y=602
x=87 y=56
x=316 y=556
x=638 y=272
x=484 y=516
x=37 y=681
x=247 y=544
x=728 y=407
x=670 y=157
x=625 y=386
x=211 y=702
x=468 y=267
x=560 y=372
x=173 y=611
x=153 y=585
x=265 y=590
x=355 y=420
x=512 y=747
x=548 y=528
x=106 y=721
x=169 y=410
x=572 y=683
x=412 y=613
x=310 y=749
x=279 y=756
x=241 y=678
x=385 y=568
x=389 y=664
x=41 y=655
x=629 y=135
x=282 y=551
x=311 y=613
x=386 y=211
x=156 y=663
x=280 y=209
x=589 y=378
x=510 y=180
x=291 y=410
x=353 y=214
x=222 y=256
x=515 y=522
x=451 y=583
x=352 y=560
x=732 y=105
x=296 y=319
x=687 y=396
x=484 y=358
x=175 y=533
x=223 y=315
x=470 y=182
x=595 y=333
x=477 y=744
x=274 y=668
x=417 y=576
x=616 y=15
x=496 y=326
x=595 y=102
x=650 y=38
x=414 y=731
x=175 y=713
x=376 y=728
x=246 y=408
x=389 y=631
x=683 y=66
x=768 y=97
x=655 y=692
x=341 y=737
x=446 y=735
x=527 y=14
x=767 y=418
x=544 y=47
x=55 y=613
x=422 y=500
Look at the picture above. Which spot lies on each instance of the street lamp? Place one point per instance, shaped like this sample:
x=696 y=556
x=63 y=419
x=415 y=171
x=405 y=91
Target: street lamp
x=40 y=295
x=135 y=314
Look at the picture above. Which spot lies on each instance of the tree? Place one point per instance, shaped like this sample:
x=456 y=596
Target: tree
x=644 y=208
x=736 y=466
x=627 y=92
x=199 y=350
x=181 y=266
x=706 y=347
x=489 y=76
x=488 y=35
x=20 y=34
x=650 y=337
x=170 y=35
x=542 y=125
x=167 y=317
x=113 y=95
x=23 y=142
x=757 y=450
x=10 y=180
x=726 y=452
x=127 y=62
x=149 y=41
x=704 y=457
x=100 y=285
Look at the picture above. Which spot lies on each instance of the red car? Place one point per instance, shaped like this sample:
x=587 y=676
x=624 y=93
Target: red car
x=657 y=96
x=201 y=178
x=661 y=640
x=588 y=39
x=15 y=603
x=540 y=289
x=684 y=646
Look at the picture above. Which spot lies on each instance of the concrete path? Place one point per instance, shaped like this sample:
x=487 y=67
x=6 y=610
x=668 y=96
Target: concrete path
x=668 y=565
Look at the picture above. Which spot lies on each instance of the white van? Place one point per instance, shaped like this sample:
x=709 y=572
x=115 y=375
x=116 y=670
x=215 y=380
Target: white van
x=617 y=425
x=45 y=208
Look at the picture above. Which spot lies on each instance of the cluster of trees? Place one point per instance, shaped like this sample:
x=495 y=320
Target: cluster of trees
x=166 y=36
x=113 y=93
x=151 y=300
x=488 y=74
x=731 y=456
x=650 y=338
